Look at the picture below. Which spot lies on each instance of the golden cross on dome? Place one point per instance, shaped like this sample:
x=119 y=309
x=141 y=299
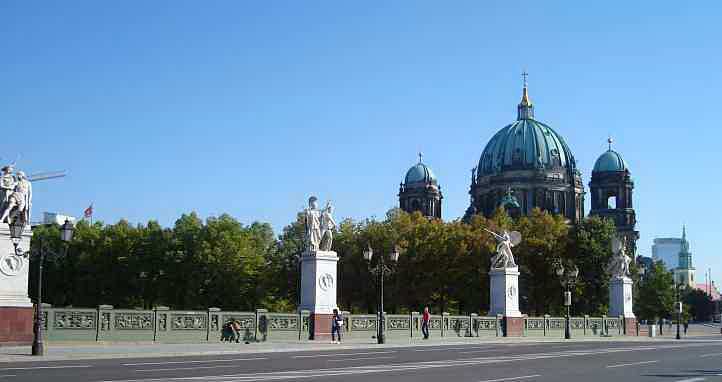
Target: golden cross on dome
x=421 y=157
x=610 y=141
x=524 y=75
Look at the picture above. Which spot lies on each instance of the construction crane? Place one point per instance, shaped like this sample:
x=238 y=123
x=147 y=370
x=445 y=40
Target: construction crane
x=47 y=175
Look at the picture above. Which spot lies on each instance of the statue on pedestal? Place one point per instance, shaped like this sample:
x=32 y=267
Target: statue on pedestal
x=312 y=234
x=618 y=266
x=327 y=227
x=19 y=202
x=504 y=258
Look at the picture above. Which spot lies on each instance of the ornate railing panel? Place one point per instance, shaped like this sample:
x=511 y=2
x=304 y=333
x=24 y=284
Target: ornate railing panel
x=162 y=321
x=394 y=322
x=215 y=326
x=612 y=323
x=534 y=323
x=595 y=324
x=557 y=323
x=69 y=319
x=286 y=322
x=246 y=320
x=304 y=322
x=577 y=323
x=363 y=322
x=43 y=320
x=457 y=324
x=485 y=323
x=189 y=321
x=133 y=321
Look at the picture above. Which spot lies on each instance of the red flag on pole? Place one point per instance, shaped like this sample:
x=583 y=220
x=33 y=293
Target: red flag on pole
x=89 y=211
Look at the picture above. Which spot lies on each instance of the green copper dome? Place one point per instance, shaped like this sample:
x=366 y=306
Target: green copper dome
x=419 y=173
x=610 y=161
x=525 y=144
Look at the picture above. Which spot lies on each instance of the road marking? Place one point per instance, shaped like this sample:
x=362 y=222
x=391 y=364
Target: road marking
x=357 y=359
x=394 y=367
x=186 y=368
x=691 y=380
x=338 y=355
x=7 y=375
x=632 y=364
x=445 y=348
x=710 y=355
x=45 y=367
x=204 y=361
x=512 y=378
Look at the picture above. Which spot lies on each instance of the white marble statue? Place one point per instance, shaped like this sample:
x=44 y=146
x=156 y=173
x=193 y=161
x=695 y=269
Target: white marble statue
x=7 y=184
x=504 y=258
x=618 y=266
x=19 y=202
x=313 y=225
x=328 y=225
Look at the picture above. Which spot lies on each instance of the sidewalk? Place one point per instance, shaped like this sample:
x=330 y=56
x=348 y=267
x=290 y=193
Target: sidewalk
x=83 y=351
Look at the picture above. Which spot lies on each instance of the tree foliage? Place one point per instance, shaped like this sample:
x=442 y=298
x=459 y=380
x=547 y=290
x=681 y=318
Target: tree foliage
x=656 y=294
x=222 y=262
x=699 y=303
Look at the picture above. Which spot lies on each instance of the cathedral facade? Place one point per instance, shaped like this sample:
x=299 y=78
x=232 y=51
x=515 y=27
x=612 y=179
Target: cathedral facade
x=526 y=165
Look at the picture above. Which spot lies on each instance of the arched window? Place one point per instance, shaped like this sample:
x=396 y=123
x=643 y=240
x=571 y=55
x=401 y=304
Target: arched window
x=612 y=202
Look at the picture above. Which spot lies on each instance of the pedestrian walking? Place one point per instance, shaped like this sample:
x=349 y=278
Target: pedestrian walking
x=686 y=326
x=236 y=326
x=336 y=326
x=425 y=319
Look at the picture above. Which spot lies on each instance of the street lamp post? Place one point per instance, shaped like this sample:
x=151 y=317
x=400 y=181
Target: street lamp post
x=66 y=234
x=679 y=309
x=567 y=279
x=380 y=269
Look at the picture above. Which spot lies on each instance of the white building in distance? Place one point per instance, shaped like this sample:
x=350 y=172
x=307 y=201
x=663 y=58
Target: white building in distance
x=52 y=217
x=667 y=250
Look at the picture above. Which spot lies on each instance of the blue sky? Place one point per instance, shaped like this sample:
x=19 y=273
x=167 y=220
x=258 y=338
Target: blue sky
x=164 y=107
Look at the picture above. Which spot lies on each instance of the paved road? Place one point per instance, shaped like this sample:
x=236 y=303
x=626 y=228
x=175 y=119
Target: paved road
x=690 y=360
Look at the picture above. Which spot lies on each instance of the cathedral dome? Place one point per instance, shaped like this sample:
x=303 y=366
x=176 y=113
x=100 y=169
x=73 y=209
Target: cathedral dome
x=419 y=173
x=530 y=161
x=526 y=144
x=610 y=161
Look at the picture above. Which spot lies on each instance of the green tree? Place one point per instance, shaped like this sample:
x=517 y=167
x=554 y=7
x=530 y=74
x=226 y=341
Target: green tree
x=589 y=247
x=544 y=244
x=656 y=293
x=699 y=303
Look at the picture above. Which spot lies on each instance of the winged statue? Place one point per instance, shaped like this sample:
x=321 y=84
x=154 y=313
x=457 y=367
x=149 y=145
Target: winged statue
x=504 y=258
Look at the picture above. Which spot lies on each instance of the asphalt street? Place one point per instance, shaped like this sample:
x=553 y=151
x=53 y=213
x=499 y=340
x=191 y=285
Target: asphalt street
x=689 y=360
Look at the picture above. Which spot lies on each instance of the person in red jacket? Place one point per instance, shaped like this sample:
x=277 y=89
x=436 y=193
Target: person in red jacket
x=425 y=319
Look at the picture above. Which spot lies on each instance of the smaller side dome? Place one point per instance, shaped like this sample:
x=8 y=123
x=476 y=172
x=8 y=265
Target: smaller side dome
x=610 y=161
x=419 y=173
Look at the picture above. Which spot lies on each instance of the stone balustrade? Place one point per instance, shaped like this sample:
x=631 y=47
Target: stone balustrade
x=162 y=324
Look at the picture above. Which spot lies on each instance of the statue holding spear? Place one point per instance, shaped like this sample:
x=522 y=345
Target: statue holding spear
x=504 y=258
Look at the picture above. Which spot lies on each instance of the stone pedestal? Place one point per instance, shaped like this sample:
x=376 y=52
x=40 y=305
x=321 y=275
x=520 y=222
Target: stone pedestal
x=318 y=291
x=504 y=299
x=620 y=303
x=16 y=309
